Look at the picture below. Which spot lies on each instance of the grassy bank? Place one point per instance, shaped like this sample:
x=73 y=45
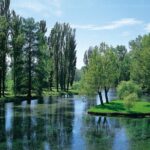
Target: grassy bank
x=9 y=97
x=117 y=108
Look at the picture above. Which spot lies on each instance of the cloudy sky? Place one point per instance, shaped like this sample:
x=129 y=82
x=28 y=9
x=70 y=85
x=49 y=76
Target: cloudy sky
x=111 y=21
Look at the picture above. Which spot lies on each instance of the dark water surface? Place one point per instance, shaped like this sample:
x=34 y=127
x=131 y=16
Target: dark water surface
x=56 y=123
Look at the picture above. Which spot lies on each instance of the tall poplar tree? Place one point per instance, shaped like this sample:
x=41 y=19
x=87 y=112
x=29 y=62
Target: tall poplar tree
x=63 y=48
x=42 y=67
x=30 y=28
x=5 y=17
x=17 y=42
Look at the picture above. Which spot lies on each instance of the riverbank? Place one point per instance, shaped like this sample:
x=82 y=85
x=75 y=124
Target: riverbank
x=117 y=108
x=11 y=98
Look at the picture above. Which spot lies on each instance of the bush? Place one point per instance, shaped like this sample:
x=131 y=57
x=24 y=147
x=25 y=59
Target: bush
x=130 y=100
x=125 y=88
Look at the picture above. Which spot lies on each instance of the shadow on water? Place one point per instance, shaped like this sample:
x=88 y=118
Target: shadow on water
x=61 y=123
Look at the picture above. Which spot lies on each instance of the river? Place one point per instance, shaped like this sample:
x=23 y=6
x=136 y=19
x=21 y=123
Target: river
x=59 y=123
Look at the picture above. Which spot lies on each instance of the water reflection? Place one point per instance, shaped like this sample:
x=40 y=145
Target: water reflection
x=61 y=123
x=9 y=124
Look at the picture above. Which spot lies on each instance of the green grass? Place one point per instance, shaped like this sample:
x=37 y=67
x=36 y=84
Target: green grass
x=117 y=107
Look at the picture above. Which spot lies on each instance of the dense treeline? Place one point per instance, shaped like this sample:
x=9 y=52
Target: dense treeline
x=37 y=62
x=107 y=66
x=62 y=45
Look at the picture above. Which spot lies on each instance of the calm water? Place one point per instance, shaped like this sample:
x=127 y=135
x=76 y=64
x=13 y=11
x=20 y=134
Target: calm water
x=56 y=123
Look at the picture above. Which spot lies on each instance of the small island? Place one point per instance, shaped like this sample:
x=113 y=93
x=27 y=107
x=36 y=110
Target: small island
x=117 y=108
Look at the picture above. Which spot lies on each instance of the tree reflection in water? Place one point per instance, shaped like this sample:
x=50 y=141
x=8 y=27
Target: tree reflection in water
x=61 y=123
x=39 y=126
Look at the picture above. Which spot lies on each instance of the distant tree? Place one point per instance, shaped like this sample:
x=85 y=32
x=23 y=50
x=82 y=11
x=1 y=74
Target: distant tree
x=123 y=63
x=87 y=55
x=78 y=74
x=103 y=47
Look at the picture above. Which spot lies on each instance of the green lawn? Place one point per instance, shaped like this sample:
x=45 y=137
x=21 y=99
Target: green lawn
x=116 y=107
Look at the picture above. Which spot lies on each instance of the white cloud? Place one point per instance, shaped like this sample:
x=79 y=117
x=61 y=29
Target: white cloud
x=51 y=7
x=111 y=26
x=147 y=27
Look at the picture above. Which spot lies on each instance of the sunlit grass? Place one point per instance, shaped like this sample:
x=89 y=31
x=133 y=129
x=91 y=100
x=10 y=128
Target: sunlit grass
x=117 y=106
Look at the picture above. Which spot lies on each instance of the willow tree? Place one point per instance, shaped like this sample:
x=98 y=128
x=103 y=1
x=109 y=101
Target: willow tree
x=110 y=70
x=92 y=82
x=123 y=63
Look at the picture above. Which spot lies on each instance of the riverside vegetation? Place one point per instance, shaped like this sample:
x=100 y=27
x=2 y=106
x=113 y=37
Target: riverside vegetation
x=110 y=67
x=28 y=55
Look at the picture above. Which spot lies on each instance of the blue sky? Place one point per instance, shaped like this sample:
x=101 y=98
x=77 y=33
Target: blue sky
x=111 y=21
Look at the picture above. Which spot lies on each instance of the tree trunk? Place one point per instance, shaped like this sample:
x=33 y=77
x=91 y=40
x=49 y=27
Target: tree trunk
x=101 y=98
x=57 y=83
x=106 y=95
x=68 y=81
x=3 y=75
x=0 y=83
x=29 y=77
x=51 y=80
x=14 y=76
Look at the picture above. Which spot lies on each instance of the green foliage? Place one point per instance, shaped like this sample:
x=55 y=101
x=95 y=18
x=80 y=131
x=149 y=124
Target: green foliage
x=42 y=65
x=123 y=63
x=78 y=74
x=17 y=42
x=62 y=45
x=87 y=55
x=125 y=88
x=140 y=68
x=4 y=39
x=76 y=87
x=34 y=57
x=93 y=77
x=129 y=100
x=101 y=71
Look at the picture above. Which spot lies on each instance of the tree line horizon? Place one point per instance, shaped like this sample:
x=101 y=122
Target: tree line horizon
x=37 y=61
x=107 y=67
x=40 y=62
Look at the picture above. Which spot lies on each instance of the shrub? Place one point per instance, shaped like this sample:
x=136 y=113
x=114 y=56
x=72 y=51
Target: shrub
x=76 y=86
x=125 y=88
x=130 y=100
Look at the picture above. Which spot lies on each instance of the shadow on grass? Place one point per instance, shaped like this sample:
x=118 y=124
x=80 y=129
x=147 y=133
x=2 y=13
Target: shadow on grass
x=147 y=105
x=112 y=106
